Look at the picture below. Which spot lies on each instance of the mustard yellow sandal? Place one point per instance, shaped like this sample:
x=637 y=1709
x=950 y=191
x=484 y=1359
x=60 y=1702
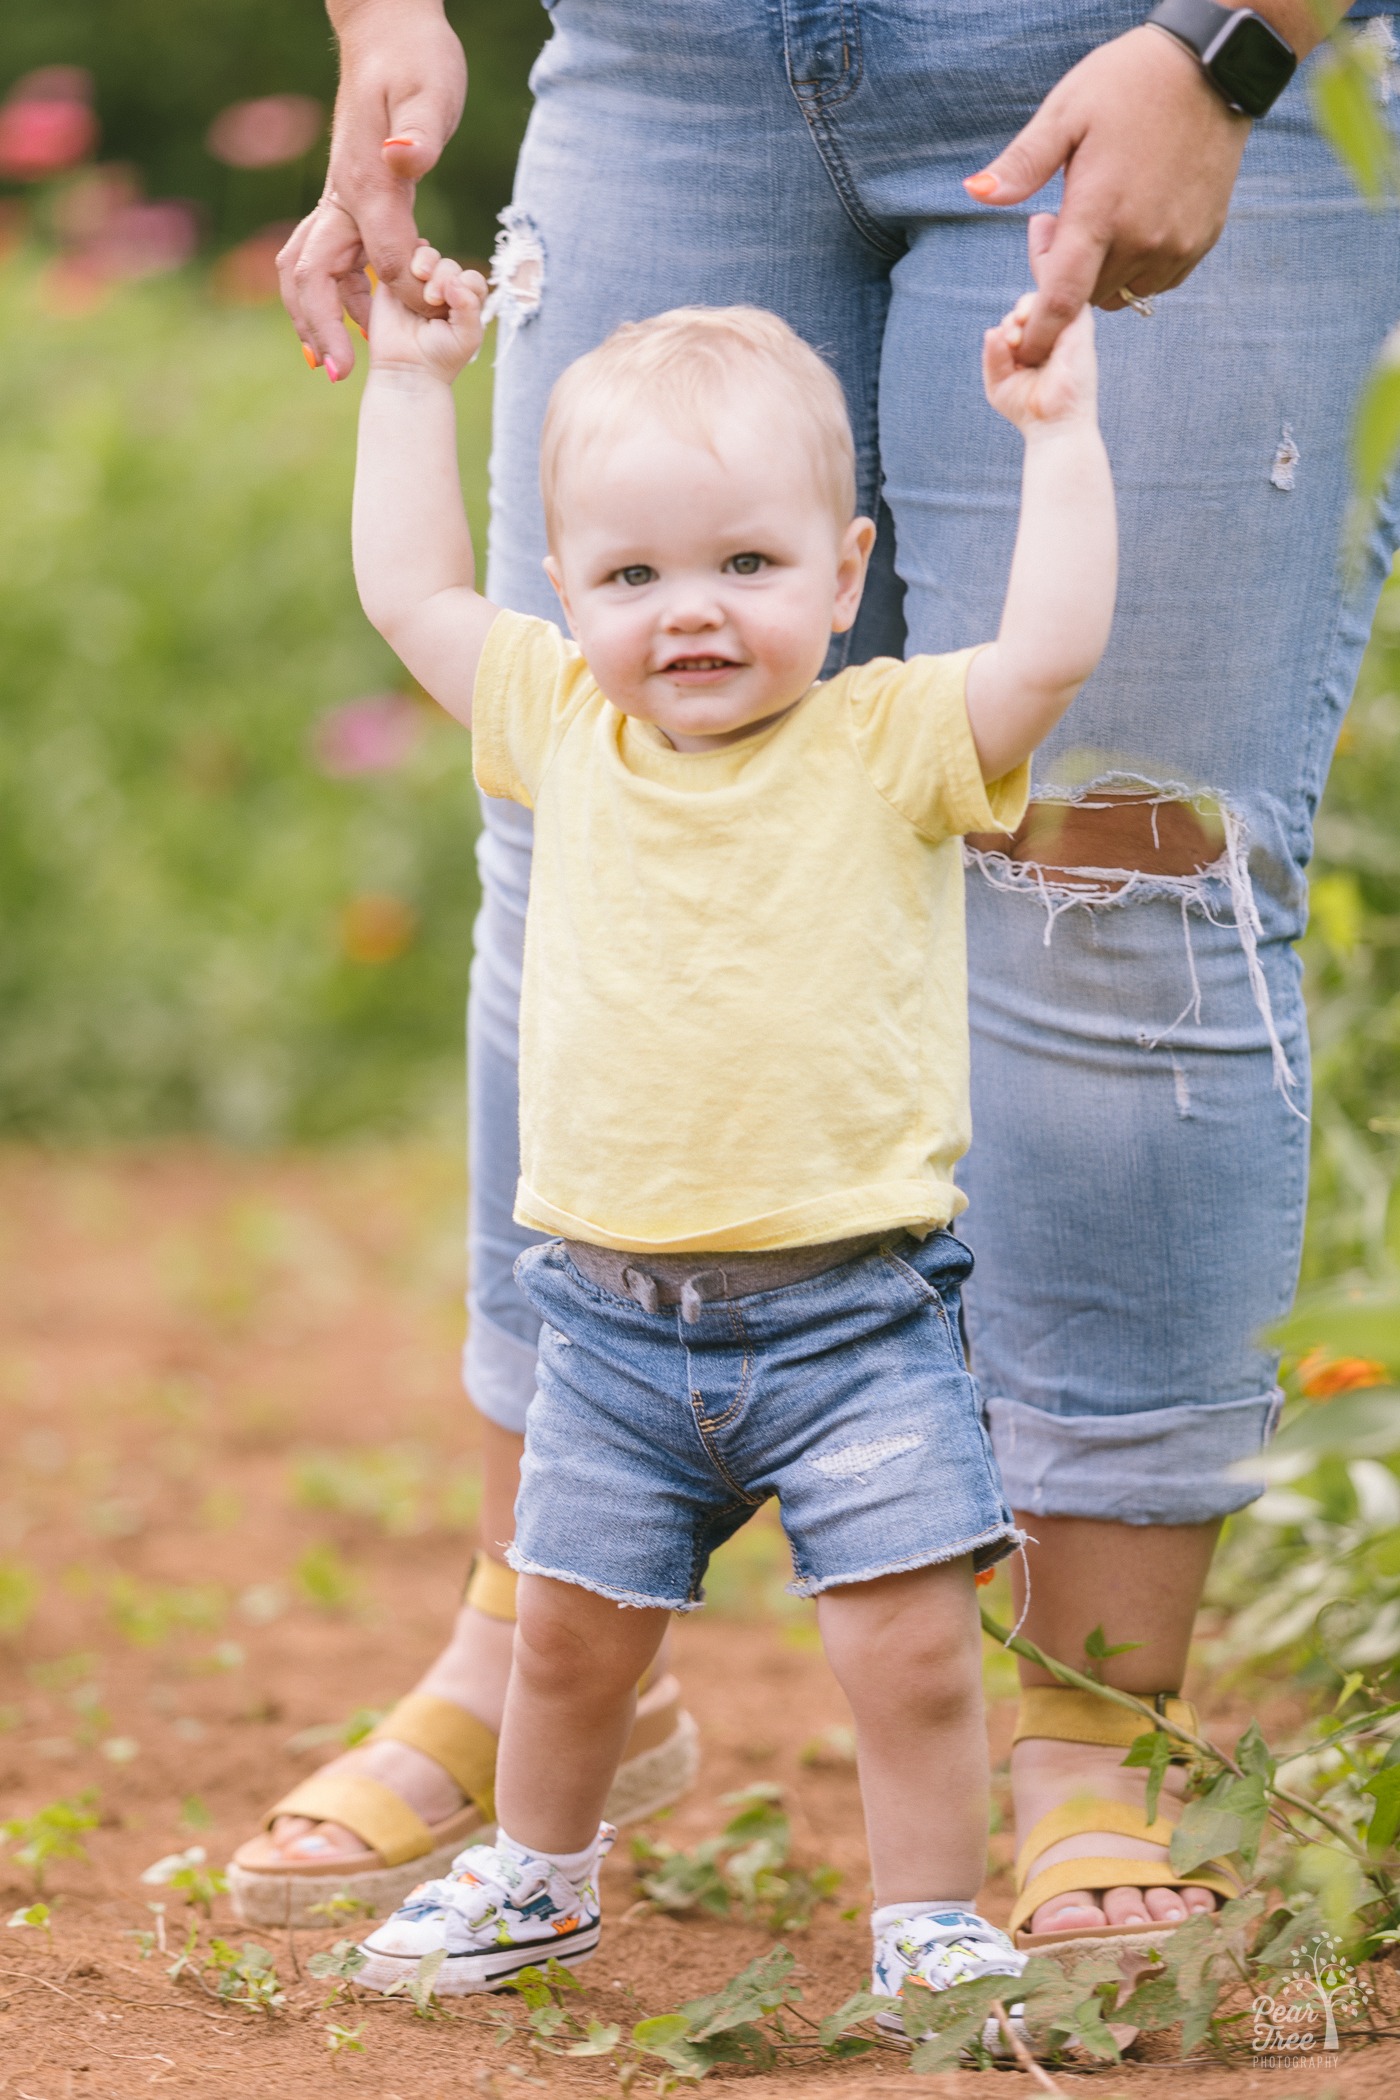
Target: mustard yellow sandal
x=662 y=1757
x=1063 y=1715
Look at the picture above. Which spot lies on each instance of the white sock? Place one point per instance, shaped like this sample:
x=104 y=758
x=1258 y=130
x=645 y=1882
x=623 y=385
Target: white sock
x=893 y=1913
x=574 y=1866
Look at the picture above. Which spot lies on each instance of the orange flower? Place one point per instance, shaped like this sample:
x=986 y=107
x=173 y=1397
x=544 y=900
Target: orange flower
x=1322 y=1377
x=376 y=928
x=985 y=1576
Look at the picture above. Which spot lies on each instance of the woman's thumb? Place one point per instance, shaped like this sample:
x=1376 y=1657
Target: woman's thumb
x=1034 y=155
x=420 y=124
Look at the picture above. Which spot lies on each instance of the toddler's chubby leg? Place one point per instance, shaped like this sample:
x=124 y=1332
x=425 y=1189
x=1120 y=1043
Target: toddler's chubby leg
x=533 y=1893
x=907 y=1652
x=573 y=1690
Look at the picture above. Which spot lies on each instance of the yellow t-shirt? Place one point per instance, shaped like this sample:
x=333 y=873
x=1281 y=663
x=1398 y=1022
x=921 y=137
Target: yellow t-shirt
x=743 y=1022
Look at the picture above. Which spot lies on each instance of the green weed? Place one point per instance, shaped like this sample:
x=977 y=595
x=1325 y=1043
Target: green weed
x=52 y=1833
x=746 y=1869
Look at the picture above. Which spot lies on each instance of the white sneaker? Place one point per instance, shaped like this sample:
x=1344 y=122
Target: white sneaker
x=501 y=1909
x=938 y=1948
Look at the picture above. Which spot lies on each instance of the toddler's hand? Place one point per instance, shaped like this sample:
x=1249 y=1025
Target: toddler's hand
x=442 y=346
x=1062 y=390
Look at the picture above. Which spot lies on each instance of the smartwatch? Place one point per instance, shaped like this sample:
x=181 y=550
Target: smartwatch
x=1244 y=59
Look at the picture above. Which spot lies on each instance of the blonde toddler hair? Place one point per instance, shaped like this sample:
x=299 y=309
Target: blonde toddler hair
x=686 y=366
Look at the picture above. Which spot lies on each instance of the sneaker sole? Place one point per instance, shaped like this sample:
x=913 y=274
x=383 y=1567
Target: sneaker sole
x=466 y=1975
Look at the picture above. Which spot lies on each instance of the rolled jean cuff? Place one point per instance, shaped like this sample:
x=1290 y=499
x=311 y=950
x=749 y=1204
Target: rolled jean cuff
x=498 y=1371
x=1168 y=1465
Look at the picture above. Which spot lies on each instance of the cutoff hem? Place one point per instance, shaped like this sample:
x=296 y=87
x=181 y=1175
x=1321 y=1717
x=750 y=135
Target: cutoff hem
x=630 y=1600
x=1006 y=1538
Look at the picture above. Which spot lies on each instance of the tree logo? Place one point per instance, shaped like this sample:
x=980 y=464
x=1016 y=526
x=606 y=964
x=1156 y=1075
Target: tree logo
x=1321 y=1985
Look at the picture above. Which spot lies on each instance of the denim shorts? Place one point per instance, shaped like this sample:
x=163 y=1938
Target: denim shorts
x=654 y=1435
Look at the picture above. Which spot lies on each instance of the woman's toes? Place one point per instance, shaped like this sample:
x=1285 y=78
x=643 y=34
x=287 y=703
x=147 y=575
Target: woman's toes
x=1076 y=1911
x=1165 y=1906
x=1125 y=1907
x=1198 y=1900
x=298 y=1838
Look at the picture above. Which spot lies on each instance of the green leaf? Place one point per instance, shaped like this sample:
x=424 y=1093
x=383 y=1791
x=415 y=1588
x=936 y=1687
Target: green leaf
x=1350 y=116
x=863 y=2006
x=756 y=1990
x=1154 y=1750
x=1099 y=1650
x=1197 y=2014
x=598 y=2041
x=666 y=2036
x=1253 y=1755
x=1384 y=1788
x=1375 y=429
x=1230 y=1818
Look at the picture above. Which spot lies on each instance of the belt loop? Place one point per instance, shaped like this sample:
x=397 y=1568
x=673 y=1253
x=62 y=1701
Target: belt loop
x=642 y=1288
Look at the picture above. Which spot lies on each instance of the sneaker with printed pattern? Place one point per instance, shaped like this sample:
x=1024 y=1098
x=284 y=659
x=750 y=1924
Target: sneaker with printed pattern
x=500 y=1909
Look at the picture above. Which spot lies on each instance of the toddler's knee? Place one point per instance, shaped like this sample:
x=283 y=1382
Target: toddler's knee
x=569 y=1642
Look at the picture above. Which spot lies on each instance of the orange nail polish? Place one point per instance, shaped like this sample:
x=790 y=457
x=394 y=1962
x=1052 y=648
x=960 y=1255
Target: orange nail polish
x=400 y=142
x=981 y=186
x=363 y=331
x=310 y=355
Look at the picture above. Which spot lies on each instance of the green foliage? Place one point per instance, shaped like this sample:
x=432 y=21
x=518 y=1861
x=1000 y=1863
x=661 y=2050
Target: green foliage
x=746 y=1868
x=178 y=876
x=245 y=1975
x=20 y=1591
x=53 y=1832
x=324 y=1579
x=149 y=1613
x=1348 y=96
x=164 y=70
x=421 y=1986
x=400 y=1488
x=37 y=1916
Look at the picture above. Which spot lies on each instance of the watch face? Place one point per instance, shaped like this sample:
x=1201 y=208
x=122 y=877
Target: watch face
x=1252 y=66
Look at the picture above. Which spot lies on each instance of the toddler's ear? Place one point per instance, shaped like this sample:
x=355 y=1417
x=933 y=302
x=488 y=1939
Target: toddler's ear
x=556 y=576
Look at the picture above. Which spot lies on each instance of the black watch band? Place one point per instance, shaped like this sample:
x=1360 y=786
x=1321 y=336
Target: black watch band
x=1245 y=60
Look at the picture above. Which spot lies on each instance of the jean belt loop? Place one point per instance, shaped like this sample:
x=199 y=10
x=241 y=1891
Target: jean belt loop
x=642 y=1288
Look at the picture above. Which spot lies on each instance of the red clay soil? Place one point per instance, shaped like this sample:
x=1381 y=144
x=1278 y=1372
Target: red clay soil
x=183 y=1336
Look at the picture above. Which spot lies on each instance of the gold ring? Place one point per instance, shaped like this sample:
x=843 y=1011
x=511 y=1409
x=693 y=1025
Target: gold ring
x=1139 y=306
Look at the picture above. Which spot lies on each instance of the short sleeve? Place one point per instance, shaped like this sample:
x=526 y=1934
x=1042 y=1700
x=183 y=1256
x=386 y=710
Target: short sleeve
x=530 y=683
x=915 y=742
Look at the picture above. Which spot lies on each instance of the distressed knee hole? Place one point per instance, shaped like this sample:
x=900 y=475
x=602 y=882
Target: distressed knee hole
x=517 y=270
x=1123 y=839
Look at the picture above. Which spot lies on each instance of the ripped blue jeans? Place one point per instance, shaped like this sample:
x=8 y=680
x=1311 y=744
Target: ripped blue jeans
x=1140 y=1067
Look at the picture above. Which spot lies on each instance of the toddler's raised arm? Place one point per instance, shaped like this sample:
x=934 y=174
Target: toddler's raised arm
x=413 y=552
x=1064 y=572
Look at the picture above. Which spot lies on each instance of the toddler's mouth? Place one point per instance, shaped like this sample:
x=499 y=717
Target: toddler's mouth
x=698 y=666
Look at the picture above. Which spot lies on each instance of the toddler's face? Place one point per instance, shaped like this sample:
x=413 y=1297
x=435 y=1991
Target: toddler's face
x=703 y=587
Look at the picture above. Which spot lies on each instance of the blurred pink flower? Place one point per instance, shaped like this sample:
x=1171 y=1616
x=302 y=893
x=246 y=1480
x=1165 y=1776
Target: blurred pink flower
x=143 y=240
x=84 y=208
x=46 y=123
x=265 y=133
x=367 y=736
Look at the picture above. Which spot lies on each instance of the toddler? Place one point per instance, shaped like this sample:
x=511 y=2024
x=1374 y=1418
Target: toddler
x=743 y=1059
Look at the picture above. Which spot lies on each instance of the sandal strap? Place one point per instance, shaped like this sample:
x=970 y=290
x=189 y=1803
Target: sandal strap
x=1086 y=1816
x=363 y=1805
x=453 y=1738
x=490 y=1587
x=1059 y=1714
x=1107 y=1873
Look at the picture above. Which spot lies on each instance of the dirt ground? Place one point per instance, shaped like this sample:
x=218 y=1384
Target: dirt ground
x=194 y=1575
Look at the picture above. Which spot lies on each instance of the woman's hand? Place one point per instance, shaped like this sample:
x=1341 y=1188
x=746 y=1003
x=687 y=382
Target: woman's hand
x=403 y=81
x=1149 y=152
x=400 y=337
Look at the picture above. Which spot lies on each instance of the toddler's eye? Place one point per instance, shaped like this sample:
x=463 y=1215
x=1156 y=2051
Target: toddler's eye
x=746 y=564
x=636 y=572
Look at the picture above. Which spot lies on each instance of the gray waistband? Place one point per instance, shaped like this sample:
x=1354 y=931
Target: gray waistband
x=692 y=1280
